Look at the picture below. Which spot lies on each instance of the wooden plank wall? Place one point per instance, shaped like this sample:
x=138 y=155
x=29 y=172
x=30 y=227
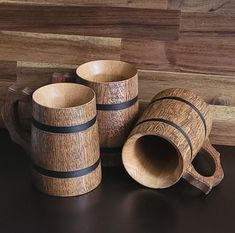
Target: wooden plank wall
x=173 y=43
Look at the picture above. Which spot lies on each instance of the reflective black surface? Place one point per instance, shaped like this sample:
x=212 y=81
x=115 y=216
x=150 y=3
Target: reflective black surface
x=119 y=204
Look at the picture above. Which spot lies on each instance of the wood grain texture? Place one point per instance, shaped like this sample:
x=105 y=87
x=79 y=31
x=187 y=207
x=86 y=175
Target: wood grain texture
x=49 y=48
x=114 y=82
x=209 y=87
x=191 y=53
x=8 y=70
x=172 y=129
x=7 y=78
x=35 y=75
x=202 y=5
x=152 y=4
x=91 y=21
x=223 y=130
x=207 y=22
x=72 y=105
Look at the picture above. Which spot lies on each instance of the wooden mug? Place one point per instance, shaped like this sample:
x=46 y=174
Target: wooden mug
x=167 y=137
x=64 y=144
x=116 y=86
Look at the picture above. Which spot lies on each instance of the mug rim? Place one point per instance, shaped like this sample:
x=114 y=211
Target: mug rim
x=105 y=82
x=63 y=84
x=179 y=155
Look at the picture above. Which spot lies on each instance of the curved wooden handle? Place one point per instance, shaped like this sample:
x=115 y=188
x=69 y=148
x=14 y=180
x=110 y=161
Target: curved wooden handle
x=202 y=182
x=10 y=118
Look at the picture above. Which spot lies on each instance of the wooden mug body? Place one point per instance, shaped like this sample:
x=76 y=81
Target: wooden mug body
x=116 y=86
x=65 y=140
x=176 y=122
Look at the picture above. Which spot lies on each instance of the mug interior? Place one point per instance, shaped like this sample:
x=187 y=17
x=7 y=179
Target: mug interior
x=153 y=161
x=106 y=71
x=63 y=95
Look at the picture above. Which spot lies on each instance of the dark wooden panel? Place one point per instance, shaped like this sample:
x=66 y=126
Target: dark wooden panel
x=93 y=21
x=215 y=55
x=145 y=54
x=208 y=22
x=152 y=4
x=7 y=70
x=53 y=48
x=203 y=5
x=211 y=54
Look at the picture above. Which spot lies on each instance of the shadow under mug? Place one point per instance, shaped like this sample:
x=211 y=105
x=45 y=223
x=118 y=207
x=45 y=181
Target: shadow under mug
x=169 y=134
x=116 y=86
x=64 y=145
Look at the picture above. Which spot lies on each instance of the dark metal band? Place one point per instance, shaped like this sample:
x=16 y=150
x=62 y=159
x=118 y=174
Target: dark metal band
x=173 y=125
x=110 y=150
x=69 y=174
x=186 y=102
x=58 y=129
x=116 y=107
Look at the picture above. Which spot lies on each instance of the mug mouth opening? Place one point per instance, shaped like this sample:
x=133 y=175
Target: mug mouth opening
x=153 y=161
x=106 y=71
x=63 y=95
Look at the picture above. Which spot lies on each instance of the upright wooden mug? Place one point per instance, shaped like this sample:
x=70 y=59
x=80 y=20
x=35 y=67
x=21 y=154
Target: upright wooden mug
x=116 y=86
x=167 y=137
x=64 y=137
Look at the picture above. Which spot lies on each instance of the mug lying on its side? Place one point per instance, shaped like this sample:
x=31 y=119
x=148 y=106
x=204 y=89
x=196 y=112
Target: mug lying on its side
x=64 y=145
x=167 y=137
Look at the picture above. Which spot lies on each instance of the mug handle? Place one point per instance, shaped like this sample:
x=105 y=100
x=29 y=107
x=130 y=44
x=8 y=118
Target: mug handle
x=202 y=182
x=10 y=115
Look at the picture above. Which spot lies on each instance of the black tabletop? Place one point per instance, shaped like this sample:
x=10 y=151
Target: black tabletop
x=119 y=204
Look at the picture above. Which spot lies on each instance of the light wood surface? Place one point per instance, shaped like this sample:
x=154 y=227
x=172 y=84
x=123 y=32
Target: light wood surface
x=114 y=82
x=54 y=48
x=59 y=105
x=168 y=135
x=209 y=87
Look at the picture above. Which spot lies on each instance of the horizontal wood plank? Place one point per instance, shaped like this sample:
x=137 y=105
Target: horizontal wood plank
x=207 y=22
x=223 y=130
x=91 y=21
x=152 y=4
x=191 y=53
x=202 y=5
x=210 y=87
x=52 y=48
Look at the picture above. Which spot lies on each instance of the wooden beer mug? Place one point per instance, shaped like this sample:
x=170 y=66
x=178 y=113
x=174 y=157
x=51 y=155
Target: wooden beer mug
x=167 y=137
x=64 y=145
x=116 y=86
